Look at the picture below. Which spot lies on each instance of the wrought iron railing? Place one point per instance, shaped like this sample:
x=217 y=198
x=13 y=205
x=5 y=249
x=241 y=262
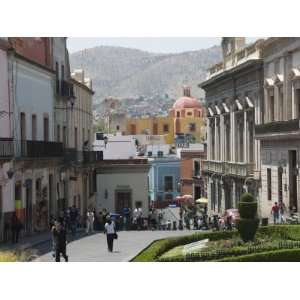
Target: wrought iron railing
x=6 y=148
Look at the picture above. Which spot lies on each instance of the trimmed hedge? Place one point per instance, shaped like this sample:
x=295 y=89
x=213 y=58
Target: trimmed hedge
x=284 y=255
x=248 y=210
x=281 y=232
x=159 y=247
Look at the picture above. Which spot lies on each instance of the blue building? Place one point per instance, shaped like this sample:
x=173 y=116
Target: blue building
x=164 y=179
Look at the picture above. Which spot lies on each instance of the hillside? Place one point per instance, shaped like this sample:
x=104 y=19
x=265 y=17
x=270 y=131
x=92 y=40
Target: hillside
x=124 y=72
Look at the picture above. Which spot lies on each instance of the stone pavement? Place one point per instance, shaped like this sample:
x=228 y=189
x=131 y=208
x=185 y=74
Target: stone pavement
x=93 y=248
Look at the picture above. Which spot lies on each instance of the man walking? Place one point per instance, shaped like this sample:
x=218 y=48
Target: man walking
x=275 y=213
x=90 y=222
x=60 y=241
x=111 y=234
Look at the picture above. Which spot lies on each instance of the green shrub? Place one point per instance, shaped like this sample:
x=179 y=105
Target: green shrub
x=247 y=210
x=159 y=247
x=284 y=255
x=248 y=223
x=247 y=197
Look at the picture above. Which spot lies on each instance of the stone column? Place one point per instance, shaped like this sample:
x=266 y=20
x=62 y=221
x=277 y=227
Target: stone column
x=223 y=138
x=209 y=146
x=216 y=139
x=266 y=111
x=246 y=138
x=233 y=135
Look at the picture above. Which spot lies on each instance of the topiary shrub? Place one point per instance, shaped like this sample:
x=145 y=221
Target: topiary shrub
x=248 y=223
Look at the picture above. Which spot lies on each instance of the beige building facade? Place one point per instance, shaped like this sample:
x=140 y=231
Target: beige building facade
x=278 y=131
x=234 y=96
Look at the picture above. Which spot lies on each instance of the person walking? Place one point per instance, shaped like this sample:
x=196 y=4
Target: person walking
x=15 y=226
x=73 y=219
x=90 y=218
x=282 y=211
x=111 y=234
x=275 y=213
x=60 y=241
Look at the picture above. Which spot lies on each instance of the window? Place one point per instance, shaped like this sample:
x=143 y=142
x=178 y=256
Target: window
x=166 y=128
x=149 y=153
x=178 y=114
x=155 y=129
x=192 y=127
x=23 y=126
x=88 y=136
x=269 y=184
x=189 y=113
x=65 y=136
x=272 y=107
x=62 y=72
x=168 y=183
x=160 y=153
x=196 y=168
x=75 y=138
x=46 y=129
x=280 y=192
x=117 y=127
x=298 y=101
x=281 y=104
x=33 y=127
x=57 y=77
x=132 y=129
x=83 y=135
x=58 y=134
x=99 y=136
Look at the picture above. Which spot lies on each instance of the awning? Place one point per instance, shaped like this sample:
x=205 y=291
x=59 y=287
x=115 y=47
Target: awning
x=210 y=111
x=218 y=109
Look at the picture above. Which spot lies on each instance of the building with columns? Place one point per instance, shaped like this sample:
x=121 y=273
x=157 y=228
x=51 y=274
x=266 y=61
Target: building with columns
x=233 y=96
x=278 y=129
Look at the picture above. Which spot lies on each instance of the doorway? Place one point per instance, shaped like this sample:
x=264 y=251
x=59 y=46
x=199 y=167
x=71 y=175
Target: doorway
x=293 y=179
x=122 y=200
x=28 y=210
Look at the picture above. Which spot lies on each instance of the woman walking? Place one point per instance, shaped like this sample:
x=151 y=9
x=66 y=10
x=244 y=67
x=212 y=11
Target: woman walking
x=111 y=234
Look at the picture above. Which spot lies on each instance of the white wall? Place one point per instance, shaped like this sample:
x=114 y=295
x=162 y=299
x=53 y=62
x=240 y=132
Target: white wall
x=118 y=147
x=137 y=182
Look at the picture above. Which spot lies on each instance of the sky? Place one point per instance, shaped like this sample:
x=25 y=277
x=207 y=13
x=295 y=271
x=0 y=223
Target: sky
x=159 y=45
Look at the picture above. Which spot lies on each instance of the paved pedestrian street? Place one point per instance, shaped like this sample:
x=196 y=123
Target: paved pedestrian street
x=93 y=248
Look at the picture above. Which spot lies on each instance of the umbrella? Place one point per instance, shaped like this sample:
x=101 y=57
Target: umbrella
x=202 y=200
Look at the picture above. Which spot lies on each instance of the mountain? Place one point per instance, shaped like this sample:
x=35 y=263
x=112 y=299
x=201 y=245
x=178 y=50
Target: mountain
x=124 y=72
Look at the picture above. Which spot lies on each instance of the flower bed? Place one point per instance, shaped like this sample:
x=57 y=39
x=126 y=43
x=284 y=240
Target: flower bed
x=226 y=246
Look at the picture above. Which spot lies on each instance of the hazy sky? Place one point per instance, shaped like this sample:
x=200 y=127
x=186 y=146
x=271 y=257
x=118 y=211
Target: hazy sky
x=162 y=45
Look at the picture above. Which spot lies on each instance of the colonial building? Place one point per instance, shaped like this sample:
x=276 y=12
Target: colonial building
x=278 y=129
x=6 y=141
x=191 y=164
x=233 y=95
x=184 y=123
x=122 y=183
x=164 y=179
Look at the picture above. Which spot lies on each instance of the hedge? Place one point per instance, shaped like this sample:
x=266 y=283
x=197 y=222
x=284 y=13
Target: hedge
x=159 y=247
x=284 y=255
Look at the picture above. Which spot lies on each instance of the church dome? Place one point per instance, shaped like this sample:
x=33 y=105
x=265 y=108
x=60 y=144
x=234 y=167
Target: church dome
x=186 y=101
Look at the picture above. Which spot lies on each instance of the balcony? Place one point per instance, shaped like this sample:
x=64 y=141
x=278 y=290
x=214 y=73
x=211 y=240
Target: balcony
x=277 y=129
x=38 y=149
x=239 y=169
x=67 y=89
x=228 y=168
x=86 y=157
x=6 y=148
x=213 y=166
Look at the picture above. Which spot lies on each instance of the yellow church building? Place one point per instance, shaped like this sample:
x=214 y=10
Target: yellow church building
x=185 y=119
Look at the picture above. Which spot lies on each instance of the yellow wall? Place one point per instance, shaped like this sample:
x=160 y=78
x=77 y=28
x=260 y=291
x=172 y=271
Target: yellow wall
x=144 y=125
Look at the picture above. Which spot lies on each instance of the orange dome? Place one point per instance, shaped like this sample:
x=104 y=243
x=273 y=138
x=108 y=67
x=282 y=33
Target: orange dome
x=186 y=102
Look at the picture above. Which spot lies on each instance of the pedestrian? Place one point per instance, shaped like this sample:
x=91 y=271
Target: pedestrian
x=73 y=219
x=111 y=234
x=275 y=213
x=60 y=241
x=15 y=226
x=90 y=218
x=51 y=226
x=282 y=211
